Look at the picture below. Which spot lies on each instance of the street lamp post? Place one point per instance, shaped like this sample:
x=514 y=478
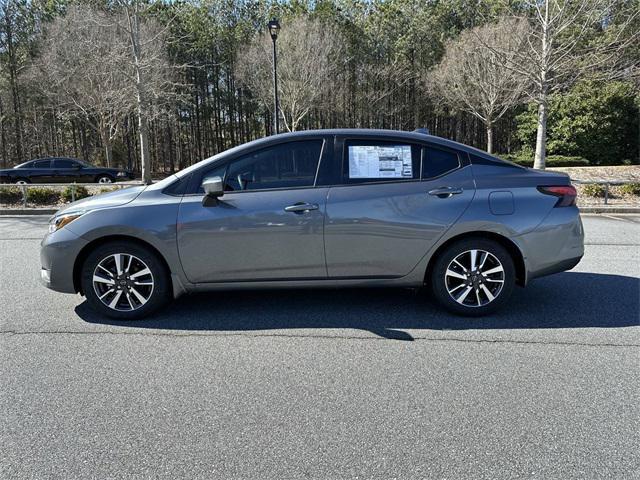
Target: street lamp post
x=274 y=28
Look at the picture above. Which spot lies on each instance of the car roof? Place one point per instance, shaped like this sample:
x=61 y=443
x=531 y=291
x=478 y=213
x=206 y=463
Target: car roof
x=348 y=132
x=46 y=159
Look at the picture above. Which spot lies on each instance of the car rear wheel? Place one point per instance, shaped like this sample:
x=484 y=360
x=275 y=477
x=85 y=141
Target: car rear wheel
x=124 y=280
x=473 y=277
x=104 y=179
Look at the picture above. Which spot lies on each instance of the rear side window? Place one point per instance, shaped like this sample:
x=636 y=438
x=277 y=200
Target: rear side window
x=372 y=161
x=437 y=162
x=60 y=163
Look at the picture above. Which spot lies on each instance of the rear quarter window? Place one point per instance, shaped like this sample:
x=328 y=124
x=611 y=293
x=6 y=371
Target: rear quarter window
x=438 y=161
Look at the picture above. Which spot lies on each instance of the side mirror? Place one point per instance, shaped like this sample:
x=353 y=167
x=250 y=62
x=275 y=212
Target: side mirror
x=213 y=188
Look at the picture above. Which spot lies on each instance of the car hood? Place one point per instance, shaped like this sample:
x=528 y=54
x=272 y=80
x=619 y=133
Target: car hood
x=104 y=200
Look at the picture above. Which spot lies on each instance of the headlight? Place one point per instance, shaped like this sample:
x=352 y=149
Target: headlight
x=121 y=174
x=56 y=223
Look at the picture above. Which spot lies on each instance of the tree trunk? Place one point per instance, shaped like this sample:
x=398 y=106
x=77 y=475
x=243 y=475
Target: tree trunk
x=108 y=152
x=490 y=138
x=143 y=120
x=107 y=145
x=541 y=136
x=3 y=138
x=143 y=127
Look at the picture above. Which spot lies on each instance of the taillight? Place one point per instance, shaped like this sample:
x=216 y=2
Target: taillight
x=566 y=194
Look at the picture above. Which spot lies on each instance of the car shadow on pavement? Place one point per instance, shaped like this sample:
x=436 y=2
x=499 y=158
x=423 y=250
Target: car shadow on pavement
x=566 y=300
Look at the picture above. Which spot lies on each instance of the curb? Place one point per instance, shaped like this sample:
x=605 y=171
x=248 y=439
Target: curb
x=607 y=209
x=28 y=211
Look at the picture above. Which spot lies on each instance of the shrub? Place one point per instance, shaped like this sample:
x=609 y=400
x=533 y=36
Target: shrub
x=551 y=161
x=566 y=161
x=81 y=192
x=593 y=190
x=596 y=120
x=10 y=195
x=43 y=195
x=629 y=189
x=107 y=190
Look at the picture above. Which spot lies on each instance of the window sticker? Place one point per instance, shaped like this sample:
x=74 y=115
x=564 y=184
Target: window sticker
x=371 y=161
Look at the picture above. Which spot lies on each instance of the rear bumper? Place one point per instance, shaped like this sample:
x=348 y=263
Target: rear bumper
x=556 y=245
x=58 y=253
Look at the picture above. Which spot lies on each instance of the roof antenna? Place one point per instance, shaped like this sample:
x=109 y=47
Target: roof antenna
x=423 y=131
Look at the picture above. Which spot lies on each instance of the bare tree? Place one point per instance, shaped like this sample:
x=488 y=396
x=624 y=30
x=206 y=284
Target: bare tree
x=308 y=53
x=150 y=69
x=104 y=66
x=81 y=69
x=475 y=79
x=567 y=39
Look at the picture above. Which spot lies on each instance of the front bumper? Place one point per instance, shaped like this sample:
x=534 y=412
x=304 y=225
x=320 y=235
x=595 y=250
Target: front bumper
x=58 y=254
x=126 y=177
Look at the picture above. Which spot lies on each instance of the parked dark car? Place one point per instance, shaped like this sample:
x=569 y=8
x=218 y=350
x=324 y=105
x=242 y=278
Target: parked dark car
x=62 y=170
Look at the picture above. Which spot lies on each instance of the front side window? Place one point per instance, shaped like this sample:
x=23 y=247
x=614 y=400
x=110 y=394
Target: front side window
x=41 y=164
x=437 y=162
x=288 y=165
x=372 y=161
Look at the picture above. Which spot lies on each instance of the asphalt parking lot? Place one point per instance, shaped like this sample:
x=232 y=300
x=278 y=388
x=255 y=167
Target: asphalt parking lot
x=326 y=384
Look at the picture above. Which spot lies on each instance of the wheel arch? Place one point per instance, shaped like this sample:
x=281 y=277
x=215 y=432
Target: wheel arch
x=508 y=244
x=89 y=247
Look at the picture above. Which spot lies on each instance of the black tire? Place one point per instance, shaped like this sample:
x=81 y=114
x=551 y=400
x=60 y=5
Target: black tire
x=105 y=177
x=20 y=180
x=439 y=279
x=159 y=293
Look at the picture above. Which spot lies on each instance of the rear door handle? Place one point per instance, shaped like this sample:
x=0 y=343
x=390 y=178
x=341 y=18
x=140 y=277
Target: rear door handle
x=301 y=207
x=445 y=192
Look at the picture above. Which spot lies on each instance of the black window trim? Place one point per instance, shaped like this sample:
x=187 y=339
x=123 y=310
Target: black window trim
x=196 y=177
x=332 y=153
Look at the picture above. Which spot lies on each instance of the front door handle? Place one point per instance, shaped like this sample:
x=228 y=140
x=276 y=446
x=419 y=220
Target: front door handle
x=301 y=207
x=445 y=192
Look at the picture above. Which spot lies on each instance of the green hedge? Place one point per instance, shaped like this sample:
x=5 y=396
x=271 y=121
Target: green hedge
x=81 y=192
x=10 y=195
x=43 y=196
x=629 y=189
x=593 y=190
x=551 y=161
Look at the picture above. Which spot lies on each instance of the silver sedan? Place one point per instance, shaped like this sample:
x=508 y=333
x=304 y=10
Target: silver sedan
x=324 y=208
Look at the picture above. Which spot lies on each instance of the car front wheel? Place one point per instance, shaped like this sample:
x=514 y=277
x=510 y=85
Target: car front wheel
x=473 y=277
x=104 y=179
x=124 y=280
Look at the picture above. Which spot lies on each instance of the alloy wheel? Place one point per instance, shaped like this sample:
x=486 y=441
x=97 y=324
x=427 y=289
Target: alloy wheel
x=104 y=180
x=474 y=278
x=123 y=282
